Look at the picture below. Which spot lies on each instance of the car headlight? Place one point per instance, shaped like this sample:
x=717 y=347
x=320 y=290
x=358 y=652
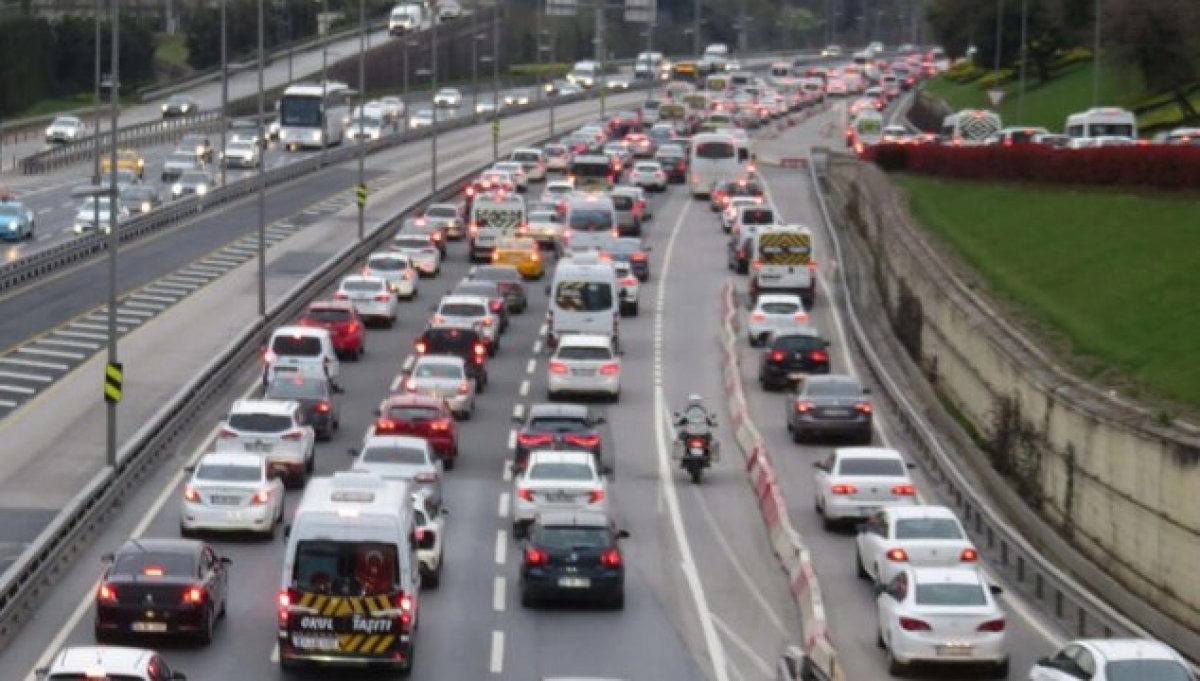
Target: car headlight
x=199 y=150
x=146 y=206
x=164 y=107
x=202 y=189
x=177 y=188
x=315 y=135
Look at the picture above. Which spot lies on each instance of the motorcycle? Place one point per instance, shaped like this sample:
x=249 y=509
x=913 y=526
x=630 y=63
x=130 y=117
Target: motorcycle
x=696 y=452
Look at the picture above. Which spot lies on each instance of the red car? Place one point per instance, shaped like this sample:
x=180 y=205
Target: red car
x=345 y=326
x=420 y=416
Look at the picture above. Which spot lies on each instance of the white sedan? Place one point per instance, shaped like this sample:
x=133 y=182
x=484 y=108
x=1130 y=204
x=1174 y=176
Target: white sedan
x=1111 y=659
x=422 y=250
x=649 y=175
x=516 y=171
x=557 y=480
x=429 y=526
x=584 y=363
x=448 y=98
x=775 y=314
x=397 y=270
x=941 y=616
x=231 y=491
x=897 y=537
x=371 y=296
x=444 y=377
x=556 y=191
x=852 y=483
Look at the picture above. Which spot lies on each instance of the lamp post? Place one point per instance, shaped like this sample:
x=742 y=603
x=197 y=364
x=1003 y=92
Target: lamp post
x=696 y=27
x=1096 y=57
x=1024 y=58
x=475 y=40
x=262 y=176
x=225 y=90
x=114 y=239
x=96 y=116
x=362 y=112
x=433 y=80
x=495 y=76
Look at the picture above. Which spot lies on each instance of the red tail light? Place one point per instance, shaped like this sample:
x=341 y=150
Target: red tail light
x=968 y=555
x=323 y=407
x=904 y=490
x=226 y=434
x=696 y=443
x=843 y=490
x=425 y=478
x=897 y=555
x=638 y=257
x=804 y=407
x=536 y=556
x=480 y=350
x=292 y=436
x=611 y=558
x=864 y=407
x=758 y=316
x=107 y=593
x=341 y=296
x=992 y=625
x=191 y=494
x=628 y=281
x=610 y=369
x=383 y=297
x=914 y=624
x=194 y=595
x=558 y=368
x=495 y=305
x=818 y=356
x=464 y=388
x=777 y=356
x=596 y=496
x=421 y=346
x=260 y=497
x=525 y=494
x=534 y=439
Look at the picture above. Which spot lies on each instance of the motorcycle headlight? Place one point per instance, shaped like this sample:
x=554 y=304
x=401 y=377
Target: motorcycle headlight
x=164 y=107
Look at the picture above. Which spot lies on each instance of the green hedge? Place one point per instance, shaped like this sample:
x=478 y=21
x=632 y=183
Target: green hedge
x=547 y=71
x=964 y=72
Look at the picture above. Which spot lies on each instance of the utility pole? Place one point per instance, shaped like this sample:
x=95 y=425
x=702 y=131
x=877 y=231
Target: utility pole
x=696 y=28
x=743 y=27
x=225 y=95
x=475 y=59
x=1024 y=58
x=1096 y=56
x=433 y=62
x=114 y=238
x=999 y=34
x=262 y=176
x=96 y=116
x=495 y=76
x=598 y=39
x=362 y=110
x=324 y=87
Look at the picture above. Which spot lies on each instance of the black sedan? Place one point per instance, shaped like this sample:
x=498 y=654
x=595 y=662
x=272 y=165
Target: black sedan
x=738 y=253
x=315 y=394
x=508 y=279
x=790 y=358
x=633 y=251
x=558 y=426
x=573 y=556
x=673 y=161
x=830 y=405
x=162 y=587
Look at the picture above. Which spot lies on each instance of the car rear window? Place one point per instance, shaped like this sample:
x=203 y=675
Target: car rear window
x=441 y=212
x=362 y=285
x=462 y=310
x=388 y=264
x=333 y=567
x=296 y=388
x=961 y=595
x=304 y=346
x=758 y=216
x=154 y=562
x=779 y=308
x=591 y=220
x=558 y=424
x=560 y=471
x=622 y=202
x=833 y=389
x=584 y=353
x=389 y=454
x=871 y=467
x=797 y=343
x=228 y=472
x=86 y=677
x=412 y=243
x=569 y=538
x=260 y=423
x=328 y=315
x=525 y=156
x=413 y=413
x=496 y=274
x=927 y=528
x=438 y=371
x=578 y=296
x=1146 y=670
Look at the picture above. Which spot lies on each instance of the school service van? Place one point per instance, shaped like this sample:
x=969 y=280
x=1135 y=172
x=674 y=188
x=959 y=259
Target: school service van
x=351 y=581
x=782 y=262
x=584 y=298
x=494 y=215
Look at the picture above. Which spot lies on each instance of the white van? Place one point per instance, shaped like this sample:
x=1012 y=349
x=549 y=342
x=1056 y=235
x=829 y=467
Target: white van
x=409 y=17
x=585 y=74
x=648 y=65
x=584 y=298
x=1102 y=121
x=591 y=222
x=782 y=262
x=866 y=129
x=296 y=348
x=493 y=215
x=971 y=127
x=351 y=581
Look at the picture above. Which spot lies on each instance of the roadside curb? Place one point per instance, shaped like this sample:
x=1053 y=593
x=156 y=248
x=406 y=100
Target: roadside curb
x=819 y=657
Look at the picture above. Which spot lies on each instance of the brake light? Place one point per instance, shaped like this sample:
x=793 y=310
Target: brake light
x=292 y=436
x=385 y=426
x=534 y=439
x=425 y=478
x=487 y=321
x=410 y=385
x=800 y=316
x=495 y=305
x=536 y=556
x=589 y=441
x=696 y=443
x=914 y=624
x=905 y=490
x=992 y=625
x=464 y=388
x=260 y=497
x=863 y=407
x=968 y=555
x=226 y=434
x=897 y=555
x=777 y=356
x=758 y=317
x=804 y=407
x=610 y=369
x=480 y=350
x=755 y=264
x=638 y=257
x=341 y=296
x=323 y=407
x=628 y=281
x=421 y=346
x=194 y=595
x=616 y=233
x=818 y=356
x=595 y=496
x=525 y=494
x=843 y=489
x=611 y=558
x=558 y=368
x=191 y=494
x=107 y=593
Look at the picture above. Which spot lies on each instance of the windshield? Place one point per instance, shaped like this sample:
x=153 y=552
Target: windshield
x=411 y=456
x=439 y=370
x=389 y=264
x=560 y=471
x=871 y=467
x=462 y=310
x=260 y=423
x=228 y=472
x=579 y=296
x=365 y=285
x=591 y=220
x=300 y=111
x=326 y=315
x=346 y=568
x=10 y=210
x=572 y=538
x=1146 y=670
x=963 y=595
x=1110 y=130
x=927 y=528
x=413 y=413
x=584 y=353
x=136 y=563
x=305 y=346
x=296 y=388
x=591 y=170
x=716 y=151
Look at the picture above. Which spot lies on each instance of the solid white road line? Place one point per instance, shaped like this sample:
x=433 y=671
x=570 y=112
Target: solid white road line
x=498 y=595
x=68 y=343
x=81 y=334
x=740 y=643
x=496 y=662
x=18 y=389
x=716 y=649
x=501 y=547
x=502 y=507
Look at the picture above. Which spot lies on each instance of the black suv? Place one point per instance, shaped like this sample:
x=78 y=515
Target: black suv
x=558 y=426
x=790 y=357
x=459 y=342
x=573 y=554
x=508 y=280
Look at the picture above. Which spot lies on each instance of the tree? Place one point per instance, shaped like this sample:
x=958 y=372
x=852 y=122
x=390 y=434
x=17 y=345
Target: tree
x=1160 y=38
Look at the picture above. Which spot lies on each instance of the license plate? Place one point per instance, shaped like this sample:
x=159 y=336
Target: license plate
x=953 y=650
x=797 y=376
x=837 y=412
x=149 y=626
x=259 y=446
x=574 y=582
x=315 y=642
x=223 y=500
x=583 y=372
x=560 y=497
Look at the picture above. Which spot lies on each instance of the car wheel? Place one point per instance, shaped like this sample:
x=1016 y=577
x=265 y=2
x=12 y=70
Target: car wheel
x=797 y=436
x=633 y=310
x=310 y=463
x=430 y=579
x=527 y=599
x=205 y=635
x=185 y=532
x=551 y=395
x=879 y=639
x=449 y=462
x=858 y=566
x=753 y=341
x=615 y=397
x=895 y=667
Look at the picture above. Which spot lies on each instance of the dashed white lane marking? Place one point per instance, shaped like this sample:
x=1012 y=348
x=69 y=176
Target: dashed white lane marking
x=96 y=327
x=741 y=644
x=7 y=403
x=518 y=411
x=506 y=473
x=34 y=363
x=502 y=507
x=524 y=389
x=501 y=547
x=68 y=343
x=152 y=298
x=396 y=383
x=537 y=347
x=531 y=366
x=26 y=377
x=51 y=353
x=543 y=329
x=498 y=593
x=496 y=663
x=140 y=308
x=512 y=439
x=70 y=333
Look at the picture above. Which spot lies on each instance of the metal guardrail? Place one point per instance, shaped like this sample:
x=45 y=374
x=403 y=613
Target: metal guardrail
x=149 y=132
x=1052 y=588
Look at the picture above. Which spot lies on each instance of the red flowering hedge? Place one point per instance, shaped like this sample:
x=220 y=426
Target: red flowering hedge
x=1152 y=166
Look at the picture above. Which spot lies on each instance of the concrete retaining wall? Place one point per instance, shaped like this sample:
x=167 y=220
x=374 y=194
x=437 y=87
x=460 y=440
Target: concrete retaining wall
x=1118 y=487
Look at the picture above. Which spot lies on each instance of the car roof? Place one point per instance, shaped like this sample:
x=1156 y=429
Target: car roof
x=331 y=305
x=867 y=453
x=546 y=409
x=831 y=378
x=920 y=511
x=573 y=519
x=779 y=298
x=232 y=458
x=585 y=340
x=279 y=407
x=560 y=456
x=413 y=400
x=1125 y=648
x=300 y=331
x=458 y=298
x=395 y=441
x=112 y=659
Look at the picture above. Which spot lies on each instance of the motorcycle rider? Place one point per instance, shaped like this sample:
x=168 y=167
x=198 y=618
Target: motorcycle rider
x=695 y=419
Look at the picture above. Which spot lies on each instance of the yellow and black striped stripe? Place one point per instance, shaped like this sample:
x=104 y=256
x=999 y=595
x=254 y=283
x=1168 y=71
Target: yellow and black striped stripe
x=365 y=644
x=342 y=606
x=785 y=248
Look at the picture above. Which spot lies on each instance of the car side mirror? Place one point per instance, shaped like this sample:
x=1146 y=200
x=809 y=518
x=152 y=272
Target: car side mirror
x=866 y=391
x=338 y=390
x=106 y=558
x=880 y=589
x=189 y=469
x=622 y=534
x=820 y=465
x=444 y=511
x=225 y=560
x=606 y=470
x=352 y=451
x=909 y=465
x=995 y=589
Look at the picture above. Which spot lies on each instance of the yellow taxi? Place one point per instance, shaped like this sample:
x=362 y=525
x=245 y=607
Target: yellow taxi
x=127 y=159
x=521 y=253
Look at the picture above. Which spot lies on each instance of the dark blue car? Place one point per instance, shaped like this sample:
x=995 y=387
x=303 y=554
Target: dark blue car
x=573 y=556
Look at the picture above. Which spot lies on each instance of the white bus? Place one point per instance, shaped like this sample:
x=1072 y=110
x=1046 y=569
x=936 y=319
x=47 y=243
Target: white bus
x=1102 y=121
x=715 y=157
x=313 y=115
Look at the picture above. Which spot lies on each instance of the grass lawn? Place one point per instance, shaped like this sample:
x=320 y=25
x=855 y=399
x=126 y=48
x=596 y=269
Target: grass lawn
x=1111 y=278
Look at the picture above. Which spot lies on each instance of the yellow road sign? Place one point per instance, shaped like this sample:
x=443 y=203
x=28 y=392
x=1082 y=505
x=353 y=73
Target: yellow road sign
x=361 y=194
x=114 y=375
x=496 y=128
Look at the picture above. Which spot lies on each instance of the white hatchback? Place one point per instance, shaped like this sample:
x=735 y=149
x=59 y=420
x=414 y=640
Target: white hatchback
x=444 y=377
x=775 y=315
x=649 y=175
x=274 y=430
x=584 y=363
x=396 y=269
x=941 y=616
x=231 y=491
x=371 y=296
x=421 y=250
x=557 y=480
x=897 y=537
x=852 y=483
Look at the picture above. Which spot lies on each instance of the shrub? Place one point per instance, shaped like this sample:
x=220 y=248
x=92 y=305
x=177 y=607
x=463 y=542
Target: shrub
x=964 y=72
x=1157 y=167
x=548 y=71
x=995 y=78
x=1075 y=55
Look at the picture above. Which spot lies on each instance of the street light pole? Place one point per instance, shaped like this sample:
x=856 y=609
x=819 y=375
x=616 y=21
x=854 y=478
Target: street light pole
x=475 y=59
x=324 y=83
x=999 y=34
x=433 y=69
x=225 y=91
x=1024 y=58
x=114 y=239
x=362 y=110
x=1096 y=57
x=262 y=176
x=696 y=27
x=495 y=75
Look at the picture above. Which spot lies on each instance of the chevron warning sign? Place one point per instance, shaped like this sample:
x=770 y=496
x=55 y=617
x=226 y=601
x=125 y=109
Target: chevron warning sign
x=114 y=376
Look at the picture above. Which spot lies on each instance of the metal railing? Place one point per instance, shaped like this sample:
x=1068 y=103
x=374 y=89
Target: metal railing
x=150 y=132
